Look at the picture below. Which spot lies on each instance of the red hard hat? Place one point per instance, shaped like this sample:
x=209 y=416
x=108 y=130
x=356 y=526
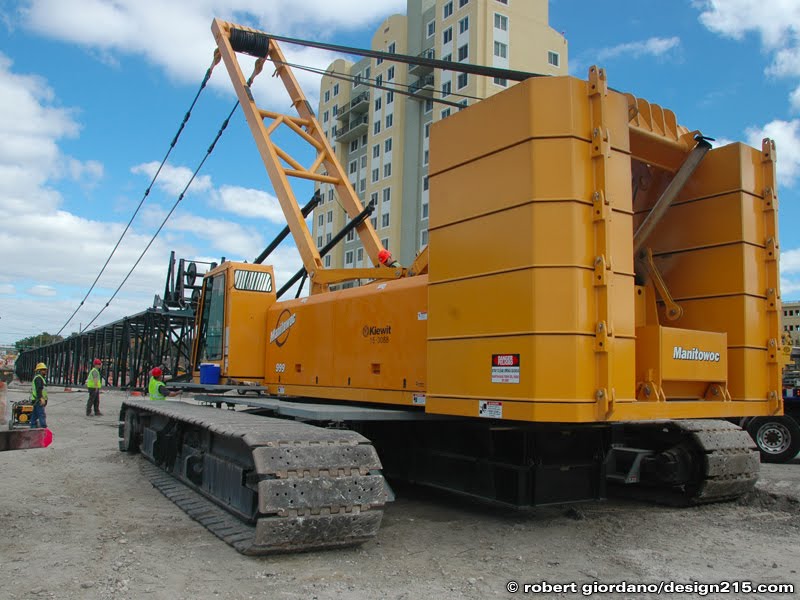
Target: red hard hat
x=156 y=372
x=384 y=256
x=97 y=361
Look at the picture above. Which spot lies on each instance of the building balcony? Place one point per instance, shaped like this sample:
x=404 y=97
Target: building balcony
x=355 y=129
x=357 y=106
x=420 y=70
x=422 y=87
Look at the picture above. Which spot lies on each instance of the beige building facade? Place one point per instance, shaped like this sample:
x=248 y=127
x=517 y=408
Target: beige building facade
x=790 y=319
x=381 y=136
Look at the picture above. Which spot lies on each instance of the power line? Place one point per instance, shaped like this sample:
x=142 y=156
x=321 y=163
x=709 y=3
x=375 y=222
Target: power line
x=149 y=187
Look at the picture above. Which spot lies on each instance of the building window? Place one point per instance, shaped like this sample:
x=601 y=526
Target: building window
x=376 y=129
x=353 y=145
x=374 y=221
x=378 y=61
x=503 y=2
x=463 y=53
x=377 y=104
x=327 y=261
x=389 y=98
x=330 y=195
x=463 y=25
x=360 y=254
x=425 y=183
x=463 y=79
x=389 y=121
x=501 y=82
x=353 y=167
x=553 y=58
x=379 y=80
x=330 y=216
x=390 y=74
x=362 y=185
x=364 y=162
x=351 y=235
x=448 y=10
x=445 y=113
x=328 y=238
x=462 y=3
x=501 y=50
x=387 y=170
x=447 y=87
x=392 y=49
x=348 y=257
x=385 y=220
x=387 y=145
x=376 y=151
x=335 y=109
x=325 y=116
x=319 y=242
x=447 y=35
x=500 y=22
x=423 y=238
x=448 y=58
x=387 y=195
x=427 y=130
x=335 y=89
x=431 y=28
x=428 y=105
x=364 y=140
x=320 y=220
x=425 y=210
x=427 y=154
x=376 y=174
x=327 y=95
x=373 y=199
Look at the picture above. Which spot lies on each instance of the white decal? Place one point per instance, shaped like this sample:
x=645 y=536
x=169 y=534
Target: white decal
x=422 y=316
x=419 y=399
x=490 y=410
x=282 y=328
x=696 y=354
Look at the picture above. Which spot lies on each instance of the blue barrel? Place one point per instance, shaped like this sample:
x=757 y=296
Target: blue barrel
x=209 y=373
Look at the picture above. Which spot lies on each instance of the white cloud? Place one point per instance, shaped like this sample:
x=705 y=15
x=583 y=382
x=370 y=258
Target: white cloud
x=42 y=290
x=248 y=202
x=776 y=22
x=173 y=180
x=231 y=239
x=176 y=35
x=794 y=99
x=787 y=141
x=653 y=46
x=6 y=289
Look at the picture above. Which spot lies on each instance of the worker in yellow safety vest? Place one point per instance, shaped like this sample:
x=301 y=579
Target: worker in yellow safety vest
x=157 y=389
x=39 y=397
x=94 y=382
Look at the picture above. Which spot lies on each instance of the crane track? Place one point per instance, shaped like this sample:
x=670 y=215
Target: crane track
x=261 y=484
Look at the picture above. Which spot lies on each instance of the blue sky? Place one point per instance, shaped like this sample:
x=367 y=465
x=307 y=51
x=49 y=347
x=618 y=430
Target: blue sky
x=92 y=92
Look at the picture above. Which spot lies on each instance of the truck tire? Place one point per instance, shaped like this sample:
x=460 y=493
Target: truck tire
x=777 y=438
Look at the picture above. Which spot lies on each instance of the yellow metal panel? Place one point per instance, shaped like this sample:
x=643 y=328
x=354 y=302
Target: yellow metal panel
x=743 y=318
x=734 y=217
x=722 y=270
x=672 y=354
x=553 y=368
x=748 y=377
x=538 y=107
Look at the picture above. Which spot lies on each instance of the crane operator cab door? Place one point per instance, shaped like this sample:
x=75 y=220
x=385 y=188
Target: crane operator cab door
x=231 y=321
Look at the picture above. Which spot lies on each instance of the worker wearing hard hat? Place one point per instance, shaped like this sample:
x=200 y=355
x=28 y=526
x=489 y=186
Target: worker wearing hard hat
x=94 y=382
x=157 y=389
x=39 y=397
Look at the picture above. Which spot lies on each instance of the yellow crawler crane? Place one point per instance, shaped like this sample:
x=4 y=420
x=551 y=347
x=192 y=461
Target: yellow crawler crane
x=599 y=293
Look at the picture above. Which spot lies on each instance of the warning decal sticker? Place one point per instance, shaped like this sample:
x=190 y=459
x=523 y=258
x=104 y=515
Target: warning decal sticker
x=505 y=368
x=490 y=410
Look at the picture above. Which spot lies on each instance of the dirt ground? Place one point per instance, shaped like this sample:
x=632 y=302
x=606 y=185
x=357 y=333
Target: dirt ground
x=78 y=520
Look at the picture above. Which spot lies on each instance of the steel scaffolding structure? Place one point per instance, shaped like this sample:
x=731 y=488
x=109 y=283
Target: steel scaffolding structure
x=160 y=336
x=129 y=348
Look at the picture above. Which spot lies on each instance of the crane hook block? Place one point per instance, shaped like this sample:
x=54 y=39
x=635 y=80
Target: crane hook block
x=253 y=43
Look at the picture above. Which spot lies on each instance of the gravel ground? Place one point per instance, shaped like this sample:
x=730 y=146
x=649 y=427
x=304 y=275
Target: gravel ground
x=80 y=521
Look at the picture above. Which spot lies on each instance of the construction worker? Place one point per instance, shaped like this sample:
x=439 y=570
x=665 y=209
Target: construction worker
x=94 y=382
x=39 y=397
x=157 y=389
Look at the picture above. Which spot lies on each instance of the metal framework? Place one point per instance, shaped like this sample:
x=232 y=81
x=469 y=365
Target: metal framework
x=129 y=348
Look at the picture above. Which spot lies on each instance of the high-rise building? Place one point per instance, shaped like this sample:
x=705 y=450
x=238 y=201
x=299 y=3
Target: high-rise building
x=381 y=137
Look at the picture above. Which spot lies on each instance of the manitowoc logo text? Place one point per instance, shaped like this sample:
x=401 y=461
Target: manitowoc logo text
x=679 y=353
